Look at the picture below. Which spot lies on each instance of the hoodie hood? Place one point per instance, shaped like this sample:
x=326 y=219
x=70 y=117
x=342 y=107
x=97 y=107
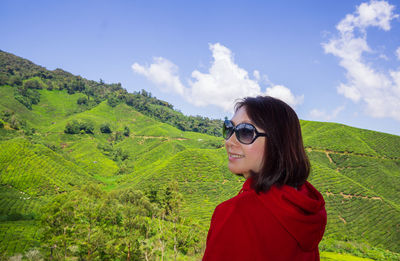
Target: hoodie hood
x=300 y=211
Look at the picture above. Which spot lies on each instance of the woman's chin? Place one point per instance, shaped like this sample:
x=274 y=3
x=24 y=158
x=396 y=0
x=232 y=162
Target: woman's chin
x=238 y=173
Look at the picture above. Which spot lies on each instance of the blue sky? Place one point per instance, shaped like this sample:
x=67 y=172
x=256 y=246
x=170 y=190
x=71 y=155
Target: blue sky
x=335 y=61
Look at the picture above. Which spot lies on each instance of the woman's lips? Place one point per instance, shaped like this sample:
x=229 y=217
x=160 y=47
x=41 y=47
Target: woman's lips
x=234 y=156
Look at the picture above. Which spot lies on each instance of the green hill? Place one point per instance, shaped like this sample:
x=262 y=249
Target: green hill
x=46 y=171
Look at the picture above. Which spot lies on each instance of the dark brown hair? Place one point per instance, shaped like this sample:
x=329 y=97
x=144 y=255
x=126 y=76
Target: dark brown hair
x=285 y=160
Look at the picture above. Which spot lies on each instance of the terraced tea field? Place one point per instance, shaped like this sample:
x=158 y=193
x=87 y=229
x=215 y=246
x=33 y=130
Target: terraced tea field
x=357 y=171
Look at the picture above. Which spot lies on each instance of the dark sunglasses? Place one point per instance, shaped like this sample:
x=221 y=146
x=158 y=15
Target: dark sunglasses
x=245 y=132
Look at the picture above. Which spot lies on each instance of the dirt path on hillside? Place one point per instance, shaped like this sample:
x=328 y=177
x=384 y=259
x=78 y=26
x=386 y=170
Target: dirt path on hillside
x=157 y=137
x=349 y=196
x=328 y=152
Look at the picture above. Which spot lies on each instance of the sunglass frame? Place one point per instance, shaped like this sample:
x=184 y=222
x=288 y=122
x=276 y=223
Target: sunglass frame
x=235 y=129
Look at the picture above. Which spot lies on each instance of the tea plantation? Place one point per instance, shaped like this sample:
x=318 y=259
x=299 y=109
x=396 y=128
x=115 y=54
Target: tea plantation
x=141 y=188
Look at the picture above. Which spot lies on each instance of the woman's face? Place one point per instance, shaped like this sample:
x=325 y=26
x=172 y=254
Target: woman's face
x=242 y=157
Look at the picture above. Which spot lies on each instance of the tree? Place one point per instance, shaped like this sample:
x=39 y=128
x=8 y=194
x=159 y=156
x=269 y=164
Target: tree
x=135 y=207
x=77 y=85
x=172 y=206
x=82 y=101
x=32 y=84
x=113 y=100
x=15 y=80
x=76 y=127
x=15 y=123
x=26 y=95
x=120 y=155
x=89 y=91
x=50 y=86
x=59 y=222
x=105 y=128
x=3 y=79
x=170 y=203
x=6 y=115
x=117 y=137
x=91 y=235
x=88 y=127
x=72 y=127
x=126 y=131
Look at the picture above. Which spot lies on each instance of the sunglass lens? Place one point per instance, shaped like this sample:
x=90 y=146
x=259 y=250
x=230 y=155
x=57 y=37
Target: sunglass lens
x=227 y=129
x=245 y=133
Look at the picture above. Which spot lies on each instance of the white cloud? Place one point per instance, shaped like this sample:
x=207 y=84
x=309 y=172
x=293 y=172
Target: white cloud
x=224 y=82
x=379 y=91
x=323 y=115
x=256 y=75
x=222 y=85
x=398 y=53
x=283 y=93
x=162 y=72
x=374 y=13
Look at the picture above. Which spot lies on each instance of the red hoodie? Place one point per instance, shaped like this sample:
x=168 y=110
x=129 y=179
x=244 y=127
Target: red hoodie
x=282 y=224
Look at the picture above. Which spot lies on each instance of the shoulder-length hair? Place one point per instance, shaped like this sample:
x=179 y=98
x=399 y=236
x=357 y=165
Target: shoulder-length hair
x=285 y=160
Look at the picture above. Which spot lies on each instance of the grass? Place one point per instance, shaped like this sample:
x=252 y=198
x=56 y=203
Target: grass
x=18 y=236
x=37 y=170
x=330 y=256
x=357 y=171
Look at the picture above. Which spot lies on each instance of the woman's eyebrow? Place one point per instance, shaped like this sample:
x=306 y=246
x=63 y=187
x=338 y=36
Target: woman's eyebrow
x=244 y=121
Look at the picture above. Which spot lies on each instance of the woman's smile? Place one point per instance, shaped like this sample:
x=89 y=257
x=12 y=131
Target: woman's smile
x=233 y=156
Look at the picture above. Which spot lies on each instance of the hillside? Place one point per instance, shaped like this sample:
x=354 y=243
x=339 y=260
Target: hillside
x=42 y=166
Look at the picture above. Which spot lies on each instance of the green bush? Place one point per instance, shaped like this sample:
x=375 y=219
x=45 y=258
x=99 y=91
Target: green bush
x=15 y=80
x=72 y=127
x=6 y=115
x=29 y=131
x=3 y=79
x=27 y=96
x=105 y=128
x=126 y=131
x=116 y=137
x=32 y=84
x=15 y=123
x=82 y=101
x=113 y=101
x=76 y=127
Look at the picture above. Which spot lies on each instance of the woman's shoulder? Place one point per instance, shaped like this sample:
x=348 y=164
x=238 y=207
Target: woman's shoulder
x=245 y=201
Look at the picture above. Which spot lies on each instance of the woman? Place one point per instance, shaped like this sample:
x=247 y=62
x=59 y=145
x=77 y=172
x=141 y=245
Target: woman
x=277 y=215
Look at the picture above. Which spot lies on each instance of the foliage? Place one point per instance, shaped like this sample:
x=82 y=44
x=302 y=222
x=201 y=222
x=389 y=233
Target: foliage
x=13 y=120
x=6 y=115
x=145 y=103
x=127 y=131
x=361 y=250
x=46 y=171
x=90 y=224
x=79 y=127
x=150 y=194
x=32 y=84
x=82 y=100
x=17 y=237
x=27 y=95
x=113 y=100
x=17 y=72
x=105 y=128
